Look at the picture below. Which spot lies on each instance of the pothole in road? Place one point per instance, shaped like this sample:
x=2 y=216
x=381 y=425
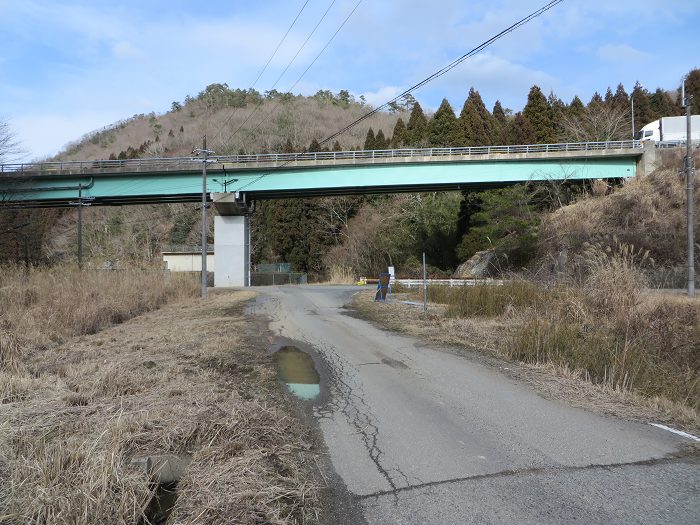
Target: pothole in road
x=296 y=368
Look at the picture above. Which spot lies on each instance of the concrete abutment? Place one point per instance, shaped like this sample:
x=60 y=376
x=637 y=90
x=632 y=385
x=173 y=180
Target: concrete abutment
x=231 y=241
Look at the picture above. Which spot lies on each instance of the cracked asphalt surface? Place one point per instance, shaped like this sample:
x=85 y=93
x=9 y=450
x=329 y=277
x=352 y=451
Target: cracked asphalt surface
x=420 y=435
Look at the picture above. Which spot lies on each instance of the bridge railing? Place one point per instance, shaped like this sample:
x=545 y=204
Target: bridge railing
x=281 y=159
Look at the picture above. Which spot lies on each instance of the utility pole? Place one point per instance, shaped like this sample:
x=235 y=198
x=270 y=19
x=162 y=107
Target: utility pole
x=690 y=191
x=80 y=203
x=632 y=101
x=18 y=231
x=205 y=152
x=425 y=288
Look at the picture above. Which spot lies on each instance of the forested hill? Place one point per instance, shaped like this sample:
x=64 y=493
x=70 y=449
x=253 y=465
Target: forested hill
x=235 y=121
x=360 y=234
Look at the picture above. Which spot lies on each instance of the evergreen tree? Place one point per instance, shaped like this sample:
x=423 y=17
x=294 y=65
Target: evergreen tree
x=500 y=124
x=596 y=99
x=558 y=114
x=520 y=131
x=692 y=88
x=539 y=115
x=399 y=137
x=380 y=141
x=470 y=204
x=288 y=147
x=336 y=146
x=643 y=114
x=417 y=128
x=609 y=97
x=576 y=107
x=370 y=140
x=506 y=223
x=475 y=121
x=443 y=129
x=621 y=99
x=662 y=105
x=314 y=146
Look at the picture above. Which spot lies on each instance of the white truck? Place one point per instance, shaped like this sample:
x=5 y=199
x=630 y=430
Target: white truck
x=669 y=129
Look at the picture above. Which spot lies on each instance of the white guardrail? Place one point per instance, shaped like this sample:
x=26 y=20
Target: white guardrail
x=190 y=163
x=418 y=283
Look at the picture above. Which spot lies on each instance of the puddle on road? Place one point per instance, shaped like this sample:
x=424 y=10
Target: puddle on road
x=297 y=370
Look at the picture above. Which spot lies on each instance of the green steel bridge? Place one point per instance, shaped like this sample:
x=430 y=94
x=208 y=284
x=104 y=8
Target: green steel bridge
x=249 y=177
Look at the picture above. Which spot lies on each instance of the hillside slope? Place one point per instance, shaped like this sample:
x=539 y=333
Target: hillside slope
x=234 y=120
x=648 y=214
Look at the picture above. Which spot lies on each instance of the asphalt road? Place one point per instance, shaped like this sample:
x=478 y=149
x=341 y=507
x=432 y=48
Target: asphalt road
x=420 y=435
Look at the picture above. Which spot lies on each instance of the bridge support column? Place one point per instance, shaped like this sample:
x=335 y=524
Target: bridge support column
x=648 y=161
x=231 y=251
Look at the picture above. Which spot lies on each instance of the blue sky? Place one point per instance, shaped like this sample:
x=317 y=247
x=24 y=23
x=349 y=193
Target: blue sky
x=72 y=66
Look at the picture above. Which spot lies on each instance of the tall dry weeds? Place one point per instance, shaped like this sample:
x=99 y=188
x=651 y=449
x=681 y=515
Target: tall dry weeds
x=605 y=325
x=50 y=305
x=338 y=274
x=602 y=323
x=184 y=381
x=646 y=212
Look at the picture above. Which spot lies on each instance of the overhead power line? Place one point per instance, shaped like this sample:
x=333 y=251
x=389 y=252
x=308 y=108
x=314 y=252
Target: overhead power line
x=429 y=79
x=280 y=44
x=311 y=64
x=228 y=119
x=447 y=68
x=257 y=108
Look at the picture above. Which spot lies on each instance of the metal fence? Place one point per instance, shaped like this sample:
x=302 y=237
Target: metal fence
x=277 y=278
x=277 y=159
x=273 y=268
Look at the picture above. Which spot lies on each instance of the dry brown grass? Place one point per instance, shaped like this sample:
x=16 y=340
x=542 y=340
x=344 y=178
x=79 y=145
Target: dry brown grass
x=186 y=380
x=602 y=345
x=340 y=275
x=606 y=327
x=299 y=120
x=646 y=212
x=48 y=306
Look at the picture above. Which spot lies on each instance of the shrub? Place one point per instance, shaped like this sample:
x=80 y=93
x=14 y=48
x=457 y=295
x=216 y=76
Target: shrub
x=485 y=300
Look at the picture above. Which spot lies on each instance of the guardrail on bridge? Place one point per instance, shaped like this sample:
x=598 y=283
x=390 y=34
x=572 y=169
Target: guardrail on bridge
x=281 y=159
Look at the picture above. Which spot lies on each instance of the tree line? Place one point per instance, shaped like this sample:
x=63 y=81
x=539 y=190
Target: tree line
x=312 y=233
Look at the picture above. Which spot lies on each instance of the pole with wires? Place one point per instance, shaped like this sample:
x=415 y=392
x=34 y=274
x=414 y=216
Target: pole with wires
x=690 y=191
x=80 y=203
x=204 y=152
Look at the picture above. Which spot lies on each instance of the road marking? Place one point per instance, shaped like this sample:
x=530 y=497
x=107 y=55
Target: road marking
x=679 y=432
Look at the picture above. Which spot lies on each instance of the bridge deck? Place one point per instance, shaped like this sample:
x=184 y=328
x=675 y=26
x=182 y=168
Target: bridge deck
x=322 y=173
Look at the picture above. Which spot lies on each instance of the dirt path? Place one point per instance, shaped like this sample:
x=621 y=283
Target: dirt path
x=191 y=383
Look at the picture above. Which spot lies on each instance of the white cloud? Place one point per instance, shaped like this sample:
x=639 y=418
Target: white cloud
x=45 y=135
x=620 y=53
x=126 y=50
x=86 y=64
x=381 y=96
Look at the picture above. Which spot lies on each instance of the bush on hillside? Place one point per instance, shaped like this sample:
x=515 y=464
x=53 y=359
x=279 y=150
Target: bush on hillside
x=648 y=213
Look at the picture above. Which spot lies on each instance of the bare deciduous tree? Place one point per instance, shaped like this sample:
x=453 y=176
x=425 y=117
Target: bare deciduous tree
x=10 y=149
x=598 y=123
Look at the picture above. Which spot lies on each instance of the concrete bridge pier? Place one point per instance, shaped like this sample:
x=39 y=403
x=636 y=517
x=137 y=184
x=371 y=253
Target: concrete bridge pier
x=231 y=241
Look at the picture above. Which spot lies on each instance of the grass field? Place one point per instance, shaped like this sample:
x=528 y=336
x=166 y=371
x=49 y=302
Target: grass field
x=101 y=370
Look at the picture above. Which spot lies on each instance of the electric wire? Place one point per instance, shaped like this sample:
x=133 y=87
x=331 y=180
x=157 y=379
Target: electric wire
x=426 y=80
x=447 y=68
x=257 y=108
x=280 y=44
x=311 y=64
x=218 y=133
